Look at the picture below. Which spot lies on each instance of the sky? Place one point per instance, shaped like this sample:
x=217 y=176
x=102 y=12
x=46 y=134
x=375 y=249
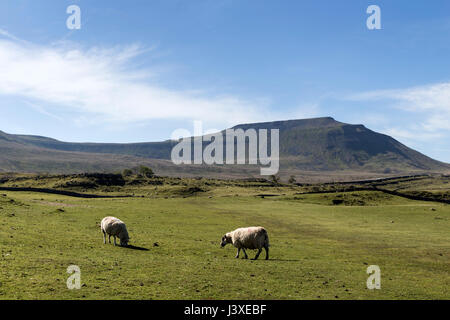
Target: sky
x=138 y=70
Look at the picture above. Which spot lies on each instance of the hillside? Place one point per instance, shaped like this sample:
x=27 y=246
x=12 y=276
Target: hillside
x=18 y=156
x=326 y=144
x=309 y=145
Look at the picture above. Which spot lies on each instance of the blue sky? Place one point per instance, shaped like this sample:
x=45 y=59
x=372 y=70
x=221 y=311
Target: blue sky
x=138 y=70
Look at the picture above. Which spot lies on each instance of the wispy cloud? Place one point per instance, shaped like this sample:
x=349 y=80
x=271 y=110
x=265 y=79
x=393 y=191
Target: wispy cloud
x=43 y=111
x=8 y=35
x=103 y=83
x=431 y=101
x=412 y=136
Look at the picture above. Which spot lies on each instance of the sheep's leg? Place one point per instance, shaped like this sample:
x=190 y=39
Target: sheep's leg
x=104 y=237
x=115 y=241
x=109 y=239
x=267 y=252
x=238 y=251
x=246 y=256
x=257 y=255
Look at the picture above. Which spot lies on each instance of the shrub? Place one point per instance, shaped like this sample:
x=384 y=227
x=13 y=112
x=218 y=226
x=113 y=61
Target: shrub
x=146 y=171
x=275 y=179
x=127 y=172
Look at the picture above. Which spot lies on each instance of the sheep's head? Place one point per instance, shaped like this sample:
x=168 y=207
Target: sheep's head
x=124 y=241
x=225 y=240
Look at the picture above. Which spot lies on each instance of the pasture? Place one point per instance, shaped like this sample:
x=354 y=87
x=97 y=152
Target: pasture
x=318 y=250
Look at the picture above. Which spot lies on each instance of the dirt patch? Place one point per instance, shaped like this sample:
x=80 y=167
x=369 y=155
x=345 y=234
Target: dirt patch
x=59 y=204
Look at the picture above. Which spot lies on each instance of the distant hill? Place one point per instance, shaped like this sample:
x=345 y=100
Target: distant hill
x=313 y=145
x=326 y=144
x=19 y=154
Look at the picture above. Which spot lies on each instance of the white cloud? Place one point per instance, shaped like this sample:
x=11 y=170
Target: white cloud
x=411 y=136
x=436 y=122
x=9 y=35
x=43 y=111
x=102 y=83
x=431 y=101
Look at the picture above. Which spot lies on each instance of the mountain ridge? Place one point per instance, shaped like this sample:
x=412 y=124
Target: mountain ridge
x=317 y=144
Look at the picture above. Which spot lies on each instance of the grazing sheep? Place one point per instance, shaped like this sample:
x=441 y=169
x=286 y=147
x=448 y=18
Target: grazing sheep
x=116 y=228
x=248 y=238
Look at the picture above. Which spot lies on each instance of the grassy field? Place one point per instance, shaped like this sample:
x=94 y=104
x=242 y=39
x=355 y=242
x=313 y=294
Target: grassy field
x=318 y=250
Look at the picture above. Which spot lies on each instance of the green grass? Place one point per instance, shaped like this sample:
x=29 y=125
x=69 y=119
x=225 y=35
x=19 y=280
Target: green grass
x=318 y=251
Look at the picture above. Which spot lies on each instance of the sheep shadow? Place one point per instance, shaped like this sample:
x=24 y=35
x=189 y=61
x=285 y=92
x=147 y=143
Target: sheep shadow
x=136 y=248
x=284 y=260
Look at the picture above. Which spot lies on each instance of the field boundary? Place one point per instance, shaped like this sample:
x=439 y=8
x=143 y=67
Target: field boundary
x=377 y=181
x=412 y=197
x=345 y=190
x=391 y=192
x=62 y=192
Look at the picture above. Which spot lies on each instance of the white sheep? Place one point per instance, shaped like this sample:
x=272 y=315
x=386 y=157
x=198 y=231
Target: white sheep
x=248 y=238
x=116 y=228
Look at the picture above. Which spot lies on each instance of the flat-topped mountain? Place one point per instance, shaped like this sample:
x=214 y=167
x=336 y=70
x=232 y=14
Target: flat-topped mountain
x=320 y=144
